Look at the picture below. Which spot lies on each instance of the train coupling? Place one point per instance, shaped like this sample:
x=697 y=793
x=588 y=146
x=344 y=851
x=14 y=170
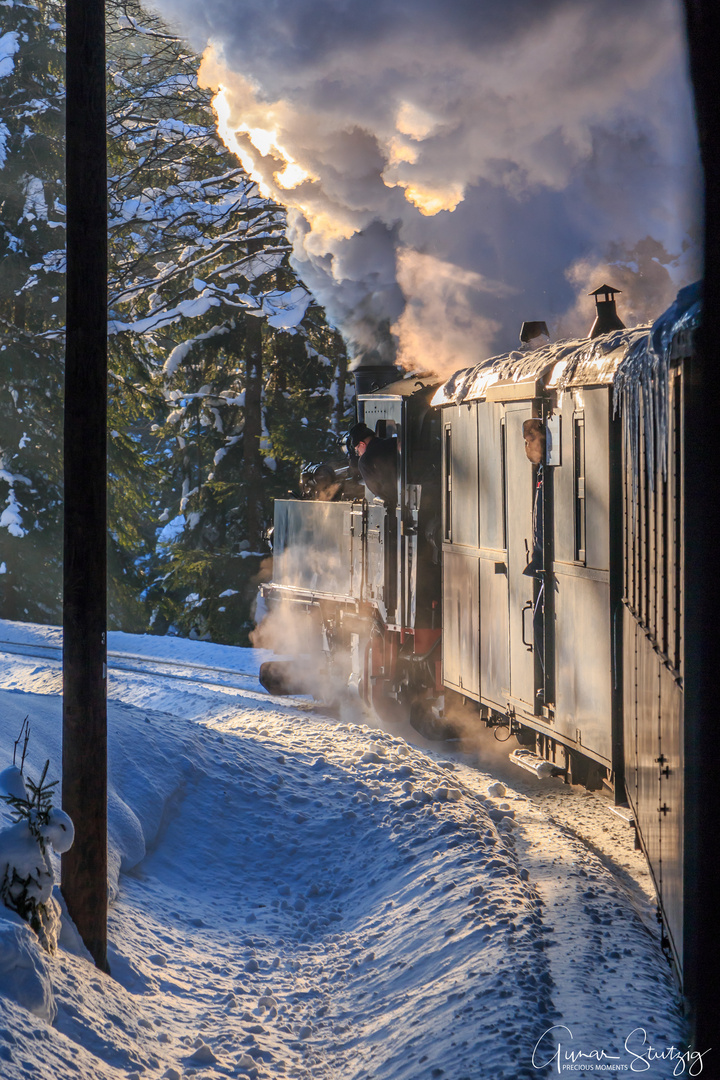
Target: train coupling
x=535 y=764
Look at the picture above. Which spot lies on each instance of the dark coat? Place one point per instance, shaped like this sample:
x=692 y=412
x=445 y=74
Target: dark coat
x=378 y=468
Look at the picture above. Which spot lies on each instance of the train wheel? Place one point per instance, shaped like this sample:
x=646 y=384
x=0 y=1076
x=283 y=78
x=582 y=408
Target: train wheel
x=429 y=723
x=585 y=772
x=282 y=677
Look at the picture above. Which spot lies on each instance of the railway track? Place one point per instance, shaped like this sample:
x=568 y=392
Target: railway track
x=181 y=670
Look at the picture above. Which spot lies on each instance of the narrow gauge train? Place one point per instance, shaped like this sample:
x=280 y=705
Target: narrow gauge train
x=532 y=564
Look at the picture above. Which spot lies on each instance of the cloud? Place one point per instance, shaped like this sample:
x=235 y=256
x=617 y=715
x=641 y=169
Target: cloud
x=440 y=329
x=505 y=139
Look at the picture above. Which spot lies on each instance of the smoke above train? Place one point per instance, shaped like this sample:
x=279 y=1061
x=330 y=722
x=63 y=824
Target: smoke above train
x=452 y=167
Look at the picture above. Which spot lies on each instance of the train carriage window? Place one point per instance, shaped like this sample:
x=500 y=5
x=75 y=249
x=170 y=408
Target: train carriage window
x=447 y=482
x=647 y=540
x=579 y=485
x=637 y=526
x=663 y=583
x=672 y=509
x=676 y=474
x=647 y=584
x=640 y=540
x=652 y=547
x=503 y=468
x=628 y=527
x=627 y=521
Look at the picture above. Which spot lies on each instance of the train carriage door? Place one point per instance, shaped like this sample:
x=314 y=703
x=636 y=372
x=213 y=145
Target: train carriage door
x=520 y=482
x=461 y=615
x=494 y=649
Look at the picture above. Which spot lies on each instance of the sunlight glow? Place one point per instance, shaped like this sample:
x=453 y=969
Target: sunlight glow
x=291 y=176
x=265 y=142
x=228 y=134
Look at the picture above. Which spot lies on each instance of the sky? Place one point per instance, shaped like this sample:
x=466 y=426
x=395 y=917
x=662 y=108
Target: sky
x=454 y=167
x=297 y=895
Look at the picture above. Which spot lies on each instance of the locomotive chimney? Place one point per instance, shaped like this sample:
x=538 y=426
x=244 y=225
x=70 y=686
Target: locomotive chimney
x=607 y=317
x=371 y=377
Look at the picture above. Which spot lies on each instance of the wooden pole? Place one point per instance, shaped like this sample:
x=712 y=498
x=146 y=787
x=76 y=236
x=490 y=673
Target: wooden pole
x=702 y=569
x=84 y=757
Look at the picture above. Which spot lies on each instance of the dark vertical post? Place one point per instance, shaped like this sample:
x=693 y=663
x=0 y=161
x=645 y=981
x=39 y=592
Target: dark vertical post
x=84 y=787
x=702 y=576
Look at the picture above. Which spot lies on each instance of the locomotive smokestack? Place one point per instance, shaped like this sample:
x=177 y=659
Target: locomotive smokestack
x=373 y=376
x=607 y=317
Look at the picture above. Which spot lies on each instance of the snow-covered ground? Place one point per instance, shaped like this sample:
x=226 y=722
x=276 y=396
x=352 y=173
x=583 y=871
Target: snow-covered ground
x=296 y=895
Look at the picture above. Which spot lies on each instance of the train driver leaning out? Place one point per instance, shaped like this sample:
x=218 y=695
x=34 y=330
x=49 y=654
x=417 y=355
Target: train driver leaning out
x=377 y=462
x=534 y=436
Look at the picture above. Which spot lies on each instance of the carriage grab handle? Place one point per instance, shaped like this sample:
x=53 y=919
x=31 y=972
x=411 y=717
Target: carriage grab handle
x=528 y=607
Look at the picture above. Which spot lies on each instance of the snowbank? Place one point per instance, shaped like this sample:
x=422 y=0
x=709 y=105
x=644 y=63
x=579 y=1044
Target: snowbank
x=302 y=897
x=24 y=968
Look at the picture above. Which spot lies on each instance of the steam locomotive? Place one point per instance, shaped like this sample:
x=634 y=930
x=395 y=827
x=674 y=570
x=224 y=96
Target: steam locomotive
x=530 y=567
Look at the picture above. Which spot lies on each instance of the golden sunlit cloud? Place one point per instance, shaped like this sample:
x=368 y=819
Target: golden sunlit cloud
x=325 y=227
x=265 y=141
x=261 y=132
x=415 y=122
x=411 y=141
x=291 y=176
x=443 y=332
x=431 y=200
x=262 y=140
x=227 y=133
x=400 y=153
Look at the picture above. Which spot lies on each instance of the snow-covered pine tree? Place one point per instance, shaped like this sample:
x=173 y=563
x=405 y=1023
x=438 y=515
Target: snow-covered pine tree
x=224 y=374
x=26 y=873
x=203 y=294
x=32 y=243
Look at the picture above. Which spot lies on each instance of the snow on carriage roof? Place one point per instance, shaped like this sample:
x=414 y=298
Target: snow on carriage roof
x=608 y=359
x=571 y=362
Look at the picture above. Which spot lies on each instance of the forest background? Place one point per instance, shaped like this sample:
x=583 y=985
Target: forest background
x=224 y=373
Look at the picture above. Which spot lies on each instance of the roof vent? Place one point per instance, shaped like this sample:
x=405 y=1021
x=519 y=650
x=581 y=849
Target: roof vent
x=529 y=331
x=607 y=318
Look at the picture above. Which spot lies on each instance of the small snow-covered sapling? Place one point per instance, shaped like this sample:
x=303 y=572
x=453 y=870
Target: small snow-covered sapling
x=26 y=875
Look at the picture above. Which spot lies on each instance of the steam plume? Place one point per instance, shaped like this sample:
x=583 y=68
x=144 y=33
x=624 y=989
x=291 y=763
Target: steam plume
x=449 y=166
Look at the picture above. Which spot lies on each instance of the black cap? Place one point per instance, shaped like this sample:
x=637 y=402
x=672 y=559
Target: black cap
x=359 y=433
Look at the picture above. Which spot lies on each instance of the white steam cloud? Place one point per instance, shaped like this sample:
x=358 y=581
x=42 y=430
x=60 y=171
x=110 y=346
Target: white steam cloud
x=450 y=166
